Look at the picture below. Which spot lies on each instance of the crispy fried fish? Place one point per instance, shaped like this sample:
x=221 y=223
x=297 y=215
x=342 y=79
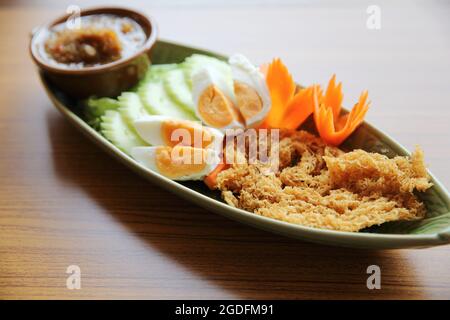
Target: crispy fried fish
x=324 y=187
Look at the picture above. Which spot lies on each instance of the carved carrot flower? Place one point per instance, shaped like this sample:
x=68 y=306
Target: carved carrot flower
x=332 y=127
x=290 y=107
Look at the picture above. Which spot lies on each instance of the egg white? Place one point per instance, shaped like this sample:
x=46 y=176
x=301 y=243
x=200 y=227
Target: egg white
x=149 y=129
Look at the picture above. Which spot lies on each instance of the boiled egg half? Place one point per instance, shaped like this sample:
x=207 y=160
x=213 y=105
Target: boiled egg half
x=165 y=131
x=213 y=101
x=177 y=163
x=250 y=90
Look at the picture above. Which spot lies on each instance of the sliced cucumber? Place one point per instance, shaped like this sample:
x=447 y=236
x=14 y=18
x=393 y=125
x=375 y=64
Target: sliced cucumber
x=94 y=108
x=196 y=62
x=131 y=108
x=157 y=101
x=178 y=88
x=159 y=69
x=116 y=130
x=98 y=106
x=156 y=71
x=220 y=69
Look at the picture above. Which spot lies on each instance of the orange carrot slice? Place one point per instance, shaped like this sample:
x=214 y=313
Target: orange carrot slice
x=333 y=96
x=281 y=89
x=211 y=179
x=298 y=109
x=332 y=127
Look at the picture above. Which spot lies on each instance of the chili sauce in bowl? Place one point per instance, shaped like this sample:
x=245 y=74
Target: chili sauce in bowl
x=99 y=39
x=103 y=53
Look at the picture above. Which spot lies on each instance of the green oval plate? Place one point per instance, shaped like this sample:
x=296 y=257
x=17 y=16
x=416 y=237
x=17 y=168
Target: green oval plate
x=432 y=231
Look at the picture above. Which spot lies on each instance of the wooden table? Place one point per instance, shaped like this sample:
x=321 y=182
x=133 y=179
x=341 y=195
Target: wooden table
x=64 y=202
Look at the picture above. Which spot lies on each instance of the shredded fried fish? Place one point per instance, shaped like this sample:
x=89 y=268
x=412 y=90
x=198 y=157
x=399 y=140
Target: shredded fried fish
x=320 y=186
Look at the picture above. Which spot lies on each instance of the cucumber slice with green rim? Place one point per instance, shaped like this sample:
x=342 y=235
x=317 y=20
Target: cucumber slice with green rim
x=156 y=71
x=94 y=108
x=197 y=62
x=178 y=88
x=157 y=101
x=98 y=106
x=116 y=130
x=131 y=108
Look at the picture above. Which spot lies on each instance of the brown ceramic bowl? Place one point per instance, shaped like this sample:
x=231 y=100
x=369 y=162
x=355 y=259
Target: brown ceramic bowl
x=108 y=79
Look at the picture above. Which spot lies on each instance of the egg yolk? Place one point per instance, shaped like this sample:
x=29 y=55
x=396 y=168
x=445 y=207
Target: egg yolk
x=176 y=132
x=216 y=109
x=180 y=161
x=248 y=100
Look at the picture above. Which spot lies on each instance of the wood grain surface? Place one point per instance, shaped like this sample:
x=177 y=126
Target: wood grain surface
x=64 y=202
